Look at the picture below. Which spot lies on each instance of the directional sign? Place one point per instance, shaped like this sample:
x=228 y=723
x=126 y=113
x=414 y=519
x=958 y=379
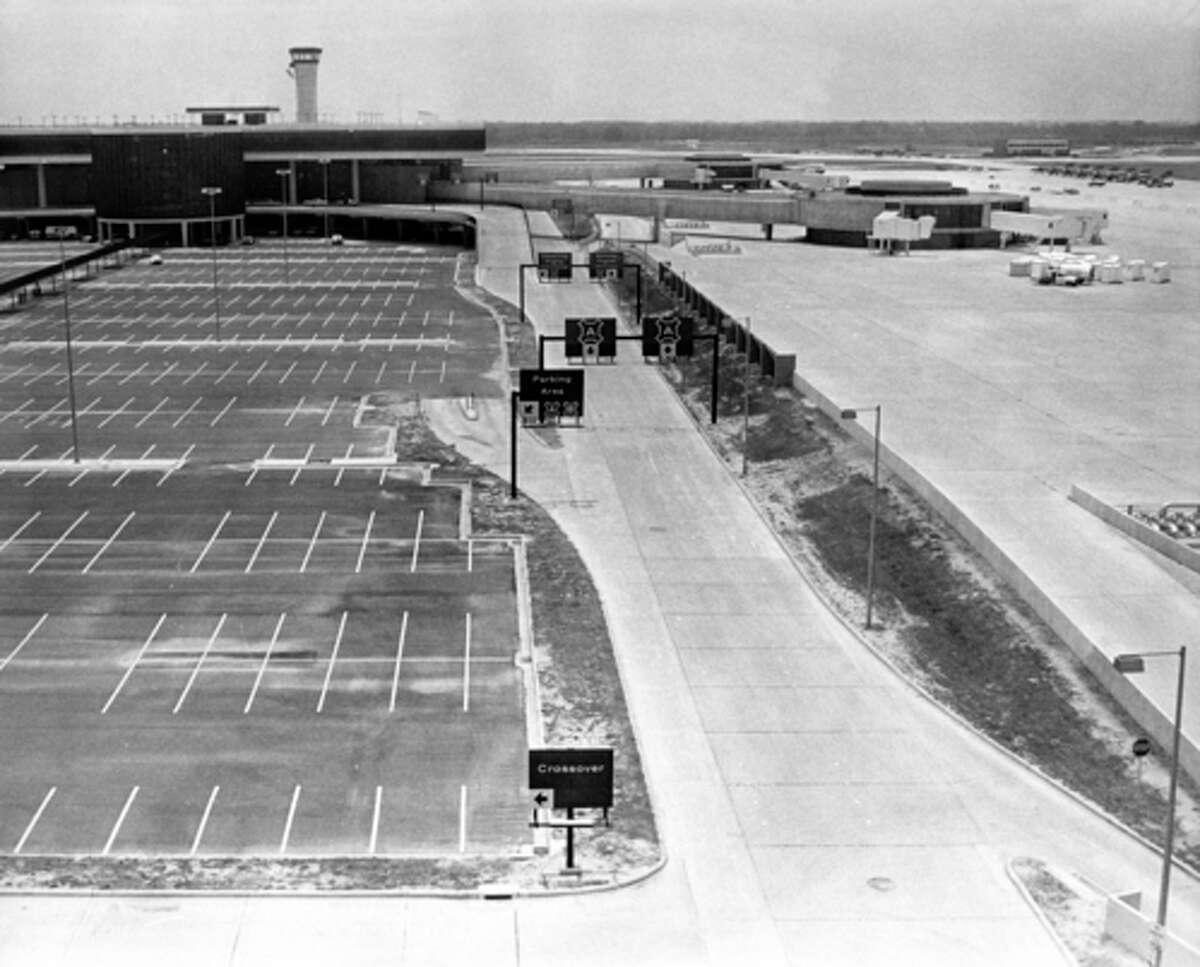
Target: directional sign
x=606 y=264
x=667 y=336
x=578 y=778
x=591 y=339
x=549 y=395
x=554 y=266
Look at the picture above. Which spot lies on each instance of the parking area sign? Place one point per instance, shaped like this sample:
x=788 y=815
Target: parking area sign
x=554 y=266
x=668 y=336
x=606 y=264
x=550 y=395
x=578 y=778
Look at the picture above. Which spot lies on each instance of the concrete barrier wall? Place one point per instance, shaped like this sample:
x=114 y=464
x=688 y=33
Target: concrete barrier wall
x=1148 y=715
x=1130 y=928
x=1143 y=533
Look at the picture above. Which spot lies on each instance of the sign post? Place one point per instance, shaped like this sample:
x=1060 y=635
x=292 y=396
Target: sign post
x=577 y=778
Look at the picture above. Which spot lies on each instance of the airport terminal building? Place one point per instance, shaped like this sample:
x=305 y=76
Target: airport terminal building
x=121 y=182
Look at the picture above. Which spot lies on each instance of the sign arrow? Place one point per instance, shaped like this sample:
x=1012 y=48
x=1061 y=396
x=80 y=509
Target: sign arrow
x=541 y=799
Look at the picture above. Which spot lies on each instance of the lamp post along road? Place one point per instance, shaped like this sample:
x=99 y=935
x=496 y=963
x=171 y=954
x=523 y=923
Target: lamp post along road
x=325 y=196
x=284 y=174
x=852 y=414
x=212 y=222
x=1131 y=664
x=745 y=399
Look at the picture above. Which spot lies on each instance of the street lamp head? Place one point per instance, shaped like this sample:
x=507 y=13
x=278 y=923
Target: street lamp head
x=210 y=191
x=1129 y=664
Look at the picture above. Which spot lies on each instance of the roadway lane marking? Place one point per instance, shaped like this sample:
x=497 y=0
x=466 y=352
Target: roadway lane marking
x=467 y=666
x=337 y=644
x=212 y=798
x=200 y=662
x=33 y=822
x=417 y=542
x=112 y=837
x=312 y=543
x=262 y=669
x=291 y=817
x=375 y=820
x=261 y=541
x=53 y=547
x=462 y=819
x=363 y=550
x=216 y=419
x=108 y=543
x=24 y=641
x=20 y=530
x=399 y=655
x=137 y=658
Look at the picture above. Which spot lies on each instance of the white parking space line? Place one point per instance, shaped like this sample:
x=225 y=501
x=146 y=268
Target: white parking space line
x=466 y=706
x=255 y=374
x=161 y=404
x=34 y=821
x=262 y=669
x=366 y=538
x=199 y=663
x=45 y=414
x=115 y=413
x=291 y=817
x=18 y=410
x=100 y=376
x=163 y=373
x=329 y=412
x=53 y=547
x=379 y=375
x=217 y=419
x=212 y=798
x=417 y=541
x=112 y=837
x=188 y=412
x=20 y=530
x=312 y=543
x=307 y=456
x=24 y=641
x=108 y=543
x=375 y=820
x=288 y=372
x=320 y=369
x=261 y=541
x=295 y=410
x=399 y=657
x=182 y=460
x=337 y=644
x=198 y=371
x=132 y=665
x=131 y=375
x=349 y=371
x=462 y=819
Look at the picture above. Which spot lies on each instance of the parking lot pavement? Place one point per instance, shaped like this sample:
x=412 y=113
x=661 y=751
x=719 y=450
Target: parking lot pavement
x=234 y=626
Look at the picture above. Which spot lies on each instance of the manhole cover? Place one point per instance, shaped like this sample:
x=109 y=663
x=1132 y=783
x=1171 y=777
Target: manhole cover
x=881 y=883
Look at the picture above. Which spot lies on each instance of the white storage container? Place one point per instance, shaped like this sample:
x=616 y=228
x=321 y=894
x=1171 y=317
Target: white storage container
x=1160 y=272
x=1020 y=266
x=1135 y=270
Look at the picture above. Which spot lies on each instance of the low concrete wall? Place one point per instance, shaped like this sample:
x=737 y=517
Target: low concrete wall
x=1143 y=533
x=1130 y=928
x=1148 y=715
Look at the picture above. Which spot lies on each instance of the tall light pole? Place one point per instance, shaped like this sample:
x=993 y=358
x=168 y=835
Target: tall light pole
x=62 y=254
x=852 y=414
x=284 y=175
x=1129 y=664
x=746 y=398
x=212 y=217
x=325 y=197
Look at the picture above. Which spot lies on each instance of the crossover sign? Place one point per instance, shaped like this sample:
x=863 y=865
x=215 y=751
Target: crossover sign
x=606 y=264
x=578 y=778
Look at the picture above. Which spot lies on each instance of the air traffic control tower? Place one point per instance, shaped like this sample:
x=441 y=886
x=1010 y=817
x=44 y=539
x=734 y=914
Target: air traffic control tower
x=304 y=69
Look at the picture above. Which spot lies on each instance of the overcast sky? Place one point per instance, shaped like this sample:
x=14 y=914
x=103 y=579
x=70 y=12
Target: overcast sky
x=496 y=60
